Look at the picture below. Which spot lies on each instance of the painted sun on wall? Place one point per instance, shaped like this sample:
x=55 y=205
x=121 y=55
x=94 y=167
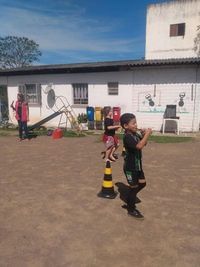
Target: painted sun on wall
x=155 y=100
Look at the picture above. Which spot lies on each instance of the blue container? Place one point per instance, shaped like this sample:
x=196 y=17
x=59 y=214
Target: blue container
x=90 y=113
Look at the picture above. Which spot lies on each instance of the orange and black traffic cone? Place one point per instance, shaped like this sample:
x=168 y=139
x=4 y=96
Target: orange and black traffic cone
x=107 y=187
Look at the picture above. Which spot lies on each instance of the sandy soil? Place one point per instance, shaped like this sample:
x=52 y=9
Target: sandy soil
x=50 y=214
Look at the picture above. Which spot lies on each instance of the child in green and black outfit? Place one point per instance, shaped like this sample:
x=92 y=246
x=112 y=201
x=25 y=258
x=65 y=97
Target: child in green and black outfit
x=134 y=141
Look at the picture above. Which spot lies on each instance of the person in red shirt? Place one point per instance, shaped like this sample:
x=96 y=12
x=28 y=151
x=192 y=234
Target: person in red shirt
x=22 y=115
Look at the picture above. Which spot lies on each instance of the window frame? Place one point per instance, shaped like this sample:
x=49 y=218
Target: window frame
x=22 y=88
x=177 y=29
x=113 y=88
x=82 y=97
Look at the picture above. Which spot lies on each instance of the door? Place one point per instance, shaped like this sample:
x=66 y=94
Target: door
x=4 y=113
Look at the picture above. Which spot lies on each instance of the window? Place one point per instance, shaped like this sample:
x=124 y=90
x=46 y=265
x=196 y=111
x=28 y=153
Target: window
x=177 y=29
x=113 y=88
x=80 y=93
x=32 y=93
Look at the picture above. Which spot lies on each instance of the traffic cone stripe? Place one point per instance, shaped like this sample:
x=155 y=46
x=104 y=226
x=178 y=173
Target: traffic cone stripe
x=108 y=177
x=107 y=184
x=108 y=171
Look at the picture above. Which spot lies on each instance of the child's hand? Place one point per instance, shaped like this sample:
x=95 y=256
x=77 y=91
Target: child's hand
x=148 y=131
x=118 y=127
x=142 y=131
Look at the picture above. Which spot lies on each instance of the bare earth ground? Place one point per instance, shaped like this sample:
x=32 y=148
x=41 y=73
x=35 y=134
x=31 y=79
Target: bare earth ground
x=50 y=214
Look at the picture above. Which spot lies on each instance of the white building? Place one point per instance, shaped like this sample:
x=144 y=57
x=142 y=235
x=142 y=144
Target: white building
x=171 y=28
x=142 y=87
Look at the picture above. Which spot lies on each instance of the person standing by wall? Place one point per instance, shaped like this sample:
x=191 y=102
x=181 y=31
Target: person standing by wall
x=21 y=109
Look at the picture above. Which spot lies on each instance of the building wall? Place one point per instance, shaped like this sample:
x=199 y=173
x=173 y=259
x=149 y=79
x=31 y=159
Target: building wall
x=159 y=44
x=143 y=91
x=62 y=85
x=156 y=88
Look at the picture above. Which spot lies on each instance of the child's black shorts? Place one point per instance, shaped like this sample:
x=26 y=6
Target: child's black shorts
x=133 y=176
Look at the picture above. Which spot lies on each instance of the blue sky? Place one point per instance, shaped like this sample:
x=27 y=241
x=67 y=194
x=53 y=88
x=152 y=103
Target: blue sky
x=72 y=31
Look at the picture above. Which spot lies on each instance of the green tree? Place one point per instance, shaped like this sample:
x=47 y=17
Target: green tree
x=197 y=42
x=18 y=52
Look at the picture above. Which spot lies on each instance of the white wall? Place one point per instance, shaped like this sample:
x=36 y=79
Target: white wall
x=159 y=44
x=166 y=86
x=62 y=85
x=137 y=88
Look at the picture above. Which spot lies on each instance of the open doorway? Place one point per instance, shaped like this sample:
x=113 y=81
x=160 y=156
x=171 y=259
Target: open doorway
x=4 y=112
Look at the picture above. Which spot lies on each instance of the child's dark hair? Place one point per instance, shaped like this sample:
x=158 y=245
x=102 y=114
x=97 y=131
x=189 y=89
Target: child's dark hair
x=21 y=96
x=126 y=118
x=106 y=110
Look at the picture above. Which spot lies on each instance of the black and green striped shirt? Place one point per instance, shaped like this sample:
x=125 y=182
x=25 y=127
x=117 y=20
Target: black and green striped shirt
x=133 y=157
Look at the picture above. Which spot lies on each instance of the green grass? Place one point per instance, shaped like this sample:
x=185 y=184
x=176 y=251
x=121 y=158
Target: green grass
x=169 y=139
x=165 y=139
x=4 y=133
x=70 y=133
x=42 y=132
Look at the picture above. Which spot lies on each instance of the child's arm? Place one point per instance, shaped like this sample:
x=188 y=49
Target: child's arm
x=111 y=127
x=143 y=141
x=12 y=106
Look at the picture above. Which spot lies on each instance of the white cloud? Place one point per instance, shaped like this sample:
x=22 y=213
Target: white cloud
x=70 y=31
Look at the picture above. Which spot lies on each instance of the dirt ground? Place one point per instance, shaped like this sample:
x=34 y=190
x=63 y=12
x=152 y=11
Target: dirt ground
x=50 y=215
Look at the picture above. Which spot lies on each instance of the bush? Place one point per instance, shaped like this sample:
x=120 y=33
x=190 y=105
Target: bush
x=82 y=118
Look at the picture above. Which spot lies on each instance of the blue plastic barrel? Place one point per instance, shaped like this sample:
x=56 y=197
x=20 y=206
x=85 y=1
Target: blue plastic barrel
x=90 y=113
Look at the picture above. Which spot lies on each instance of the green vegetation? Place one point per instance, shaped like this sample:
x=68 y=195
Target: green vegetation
x=66 y=133
x=4 y=131
x=18 y=52
x=166 y=139
x=72 y=133
x=169 y=139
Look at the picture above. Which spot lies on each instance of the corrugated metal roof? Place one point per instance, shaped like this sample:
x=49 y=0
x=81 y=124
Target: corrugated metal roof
x=97 y=66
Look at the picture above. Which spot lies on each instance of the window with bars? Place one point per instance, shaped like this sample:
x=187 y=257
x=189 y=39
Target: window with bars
x=32 y=93
x=113 y=88
x=80 y=93
x=177 y=29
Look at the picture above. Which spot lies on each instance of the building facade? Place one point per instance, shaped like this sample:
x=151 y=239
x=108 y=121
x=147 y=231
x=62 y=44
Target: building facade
x=142 y=87
x=171 y=29
x=170 y=75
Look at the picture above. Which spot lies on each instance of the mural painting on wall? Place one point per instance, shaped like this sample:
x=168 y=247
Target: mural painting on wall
x=151 y=102
x=182 y=102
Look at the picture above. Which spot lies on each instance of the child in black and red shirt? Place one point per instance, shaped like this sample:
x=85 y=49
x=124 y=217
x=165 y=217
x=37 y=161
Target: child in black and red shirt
x=134 y=141
x=109 y=138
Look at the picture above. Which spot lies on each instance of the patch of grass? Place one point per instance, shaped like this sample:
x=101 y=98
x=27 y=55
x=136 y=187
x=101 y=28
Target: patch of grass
x=71 y=133
x=66 y=133
x=169 y=139
x=165 y=139
x=8 y=132
x=88 y=132
x=40 y=132
x=4 y=133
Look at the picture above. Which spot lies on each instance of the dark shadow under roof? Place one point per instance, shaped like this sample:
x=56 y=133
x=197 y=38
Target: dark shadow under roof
x=106 y=66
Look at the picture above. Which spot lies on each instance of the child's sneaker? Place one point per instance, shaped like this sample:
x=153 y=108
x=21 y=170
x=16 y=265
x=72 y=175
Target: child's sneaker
x=135 y=213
